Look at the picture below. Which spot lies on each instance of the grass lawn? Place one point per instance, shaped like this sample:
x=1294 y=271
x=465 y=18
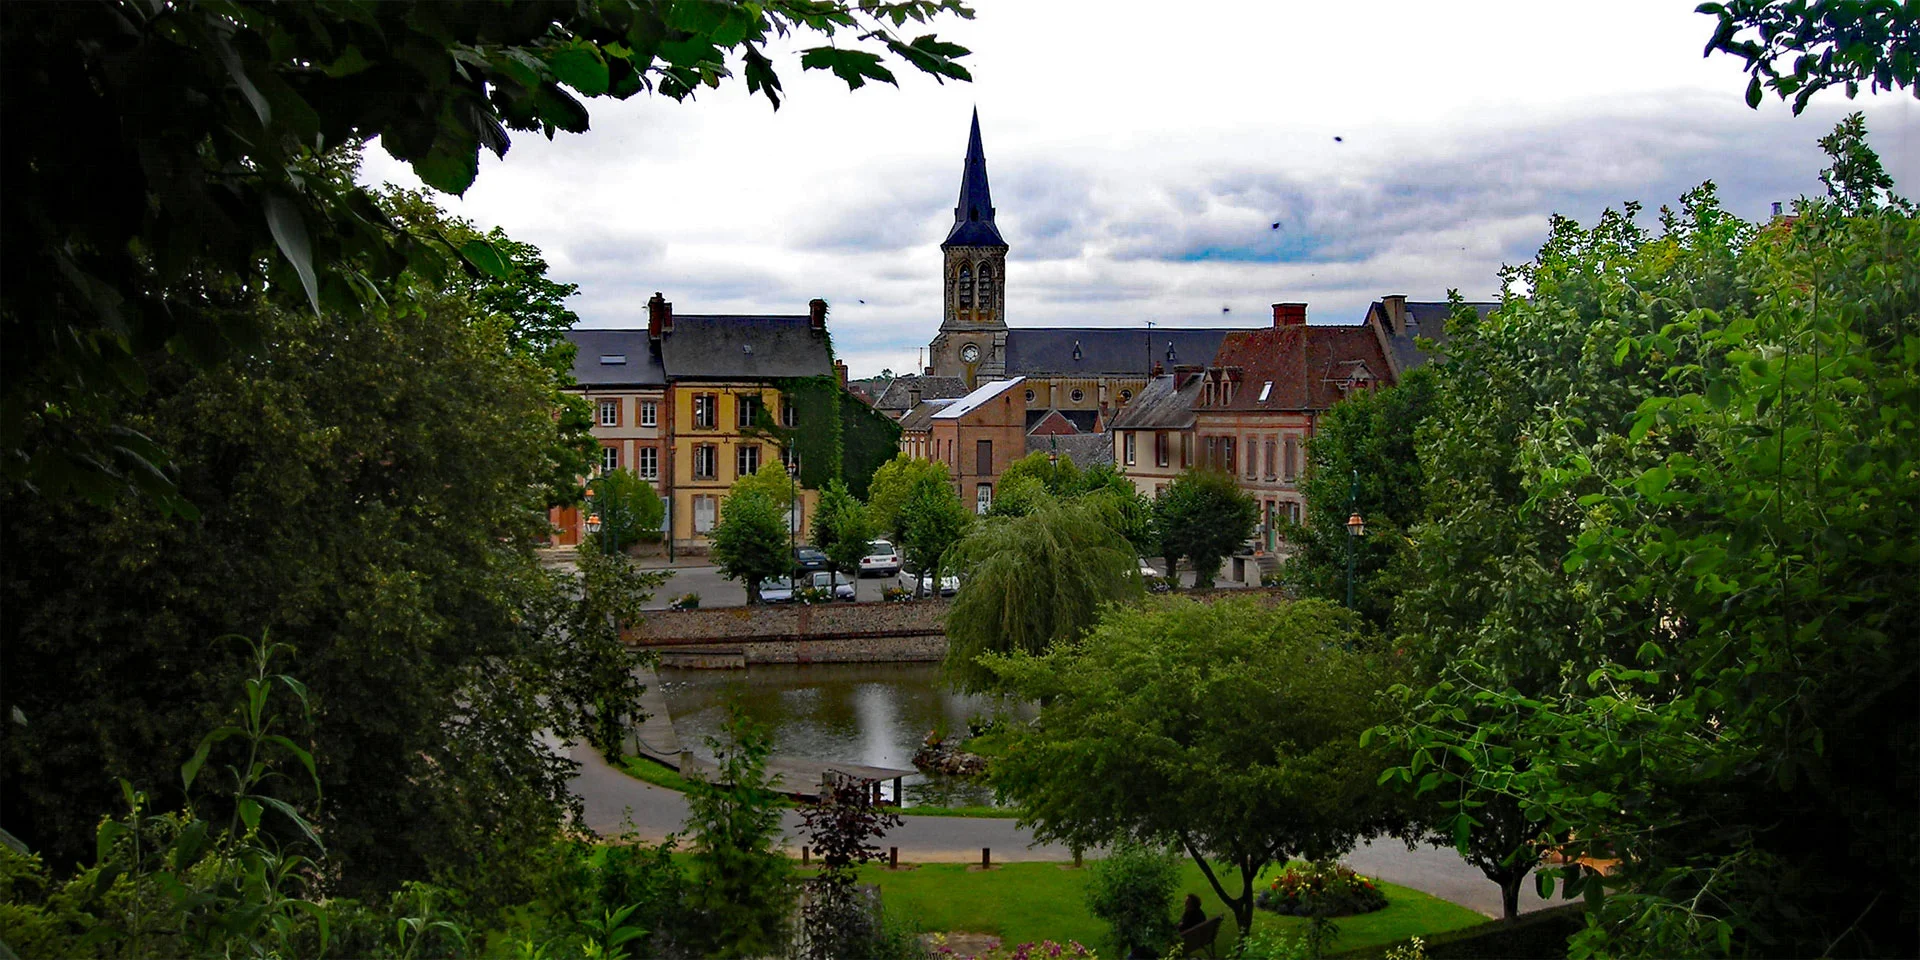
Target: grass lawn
x=1019 y=902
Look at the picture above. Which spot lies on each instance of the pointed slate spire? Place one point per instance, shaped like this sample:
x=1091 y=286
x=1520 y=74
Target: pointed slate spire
x=973 y=216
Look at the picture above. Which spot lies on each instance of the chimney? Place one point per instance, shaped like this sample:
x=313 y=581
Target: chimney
x=1289 y=314
x=1158 y=368
x=913 y=396
x=1395 y=308
x=1776 y=208
x=1184 y=374
x=840 y=372
x=817 y=313
x=659 y=316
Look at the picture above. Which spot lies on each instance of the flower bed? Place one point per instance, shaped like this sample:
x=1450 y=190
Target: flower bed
x=1326 y=889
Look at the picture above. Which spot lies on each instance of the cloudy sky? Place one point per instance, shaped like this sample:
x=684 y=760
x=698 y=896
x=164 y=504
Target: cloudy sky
x=1140 y=154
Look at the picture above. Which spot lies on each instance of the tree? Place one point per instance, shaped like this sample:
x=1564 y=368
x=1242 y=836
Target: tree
x=1056 y=473
x=1362 y=458
x=891 y=484
x=194 y=180
x=1035 y=581
x=843 y=827
x=1692 y=609
x=1018 y=497
x=1132 y=890
x=1230 y=729
x=1856 y=182
x=840 y=528
x=740 y=890
x=628 y=508
x=368 y=491
x=1203 y=516
x=751 y=542
x=1844 y=43
x=931 y=521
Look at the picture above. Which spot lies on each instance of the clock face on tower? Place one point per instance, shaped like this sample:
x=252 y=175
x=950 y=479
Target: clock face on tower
x=970 y=353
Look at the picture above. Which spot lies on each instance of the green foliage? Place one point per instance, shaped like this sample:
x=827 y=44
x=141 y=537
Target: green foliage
x=1034 y=581
x=840 y=528
x=892 y=482
x=1061 y=478
x=770 y=481
x=931 y=521
x=842 y=827
x=207 y=121
x=1362 y=458
x=1680 y=616
x=1132 y=890
x=1856 y=182
x=1237 y=727
x=1800 y=47
x=751 y=543
x=1202 y=516
x=628 y=507
x=1018 y=497
x=868 y=439
x=368 y=491
x=741 y=891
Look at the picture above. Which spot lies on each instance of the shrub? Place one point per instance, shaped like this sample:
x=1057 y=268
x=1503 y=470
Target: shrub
x=686 y=601
x=1321 y=889
x=1132 y=890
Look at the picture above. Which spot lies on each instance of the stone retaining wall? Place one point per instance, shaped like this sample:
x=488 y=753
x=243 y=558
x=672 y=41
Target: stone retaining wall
x=798 y=623
x=868 y=650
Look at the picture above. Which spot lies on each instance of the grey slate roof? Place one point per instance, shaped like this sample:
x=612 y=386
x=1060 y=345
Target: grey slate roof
x=973 y=216
x=1086 y=449
x=921 y=417
x=1426 y=318
x=1107 y=351
x=899 y=394
x=1160 y=406
x=724 y=347
x=641 y=369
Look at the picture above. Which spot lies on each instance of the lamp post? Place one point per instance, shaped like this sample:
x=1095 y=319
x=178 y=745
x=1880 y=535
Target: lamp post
x=793 y=512
x=1053 y=451
x=1356 y=528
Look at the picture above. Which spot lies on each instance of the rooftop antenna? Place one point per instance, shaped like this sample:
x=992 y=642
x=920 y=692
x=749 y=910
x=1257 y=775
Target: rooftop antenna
x=919 y=365
x=1149 y=351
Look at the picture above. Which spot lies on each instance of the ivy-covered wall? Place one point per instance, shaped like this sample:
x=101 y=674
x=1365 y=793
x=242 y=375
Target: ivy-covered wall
x=868 y=438
x=835 y=435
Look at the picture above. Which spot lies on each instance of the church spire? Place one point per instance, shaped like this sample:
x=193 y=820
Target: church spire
x=973 y=217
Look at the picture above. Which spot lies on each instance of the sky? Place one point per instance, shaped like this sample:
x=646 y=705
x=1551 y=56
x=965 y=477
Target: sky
x=1141 y=154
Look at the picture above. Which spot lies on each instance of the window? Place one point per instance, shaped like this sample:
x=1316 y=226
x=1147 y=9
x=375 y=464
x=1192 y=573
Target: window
x=1266 y=389
x=1226 y=448
x=1161 y=453
x=788 y=417
x=983 y=457
x=982 y=497
x=746 y=405
x=609 y=459
x=1213 y=452
x=1129 y=446
x=609 y=413
x=649 y=413
x=1293 y=453
x=746 y=460
x=1270 y=460
x=649 y=463
x=704 y=405
x=966 y=286
x=1078 y=395
x=704 y=456
x=703 y=511
x=1126 y=395
x=1029 y=396
x=986 y=287
x=613 y=359
x=1253 y=458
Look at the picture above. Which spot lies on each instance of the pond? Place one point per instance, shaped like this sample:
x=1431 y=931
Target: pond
x=868 y=713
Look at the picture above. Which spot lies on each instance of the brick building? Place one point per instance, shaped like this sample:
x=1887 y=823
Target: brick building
x=977 y=436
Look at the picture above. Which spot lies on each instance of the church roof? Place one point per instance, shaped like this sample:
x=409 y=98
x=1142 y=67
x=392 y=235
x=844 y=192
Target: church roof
x=973 y=216
x=1106 y=351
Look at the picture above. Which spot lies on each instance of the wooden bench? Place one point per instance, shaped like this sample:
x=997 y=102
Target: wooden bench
x=1201 y=936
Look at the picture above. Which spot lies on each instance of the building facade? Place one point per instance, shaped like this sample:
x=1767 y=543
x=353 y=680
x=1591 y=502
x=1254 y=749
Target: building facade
x=621 y=378
x=1152 y=437
x=978 y=436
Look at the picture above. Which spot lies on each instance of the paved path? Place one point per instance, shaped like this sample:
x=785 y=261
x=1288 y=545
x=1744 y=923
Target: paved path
x=616 y=802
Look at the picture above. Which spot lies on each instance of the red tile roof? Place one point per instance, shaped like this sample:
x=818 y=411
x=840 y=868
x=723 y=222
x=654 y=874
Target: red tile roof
x=1310 y=367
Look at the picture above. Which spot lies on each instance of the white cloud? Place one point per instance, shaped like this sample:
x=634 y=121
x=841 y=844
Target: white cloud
x=1139 y=154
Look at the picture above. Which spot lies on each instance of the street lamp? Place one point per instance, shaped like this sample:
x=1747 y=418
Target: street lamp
x=1053 y=451
x=1356 y=528
x=793 y=514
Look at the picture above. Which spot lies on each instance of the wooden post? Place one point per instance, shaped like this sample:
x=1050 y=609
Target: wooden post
x=896 y=793
x=893 y=858
x=805 y=855
x=986 y=858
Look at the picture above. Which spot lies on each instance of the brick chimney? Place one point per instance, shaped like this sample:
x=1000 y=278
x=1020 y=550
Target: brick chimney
x=1394 y=306
x=1184 y=374
x=659 y=316
x=840 y=373
x=817 y=313
x=1289 y=314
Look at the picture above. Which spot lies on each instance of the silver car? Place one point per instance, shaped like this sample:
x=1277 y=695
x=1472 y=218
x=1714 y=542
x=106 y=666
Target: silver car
x=881 y=560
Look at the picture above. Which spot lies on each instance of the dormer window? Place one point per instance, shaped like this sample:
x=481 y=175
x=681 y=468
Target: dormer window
x=612 y=359
x=1266 y=390
x=1076 y=350
x=1170 y=356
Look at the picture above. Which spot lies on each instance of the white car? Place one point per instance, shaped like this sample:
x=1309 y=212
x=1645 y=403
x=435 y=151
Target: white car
x=881 y=560
x=921 y=584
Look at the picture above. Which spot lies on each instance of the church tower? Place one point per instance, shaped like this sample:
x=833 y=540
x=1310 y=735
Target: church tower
x=972 y=342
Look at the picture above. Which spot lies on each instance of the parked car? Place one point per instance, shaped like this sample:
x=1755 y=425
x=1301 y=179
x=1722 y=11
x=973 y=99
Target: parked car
x=1155 y=582
x=807 y=559
x=882 y=560
x=785 y=592
x=949 y=584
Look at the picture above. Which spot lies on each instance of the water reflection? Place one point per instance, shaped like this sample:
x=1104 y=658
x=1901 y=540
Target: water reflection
x=867 y=713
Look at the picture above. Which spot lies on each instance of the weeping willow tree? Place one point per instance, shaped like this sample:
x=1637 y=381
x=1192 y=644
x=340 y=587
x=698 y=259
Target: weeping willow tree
x=1036 y=580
